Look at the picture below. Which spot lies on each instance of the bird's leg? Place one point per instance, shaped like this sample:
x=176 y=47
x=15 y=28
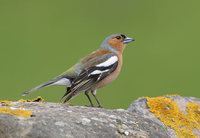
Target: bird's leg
x=94 y=94
x=87 y=94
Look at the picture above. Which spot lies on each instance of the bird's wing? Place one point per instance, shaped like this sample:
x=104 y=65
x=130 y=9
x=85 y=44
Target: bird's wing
x=95 y=70
x=71 y=74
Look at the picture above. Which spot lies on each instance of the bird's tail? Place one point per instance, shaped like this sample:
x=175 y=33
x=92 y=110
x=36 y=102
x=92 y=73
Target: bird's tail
x=38 y=87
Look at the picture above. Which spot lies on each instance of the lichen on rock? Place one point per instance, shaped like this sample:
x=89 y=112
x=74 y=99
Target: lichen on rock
x=5 y=102
x=169 y=113
x=193 y=111
x=38 y=99
x=16 y=112
x=161 y=117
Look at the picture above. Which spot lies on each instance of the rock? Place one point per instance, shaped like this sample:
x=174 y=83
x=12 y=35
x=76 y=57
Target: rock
x=170 y=108
x=53 y=120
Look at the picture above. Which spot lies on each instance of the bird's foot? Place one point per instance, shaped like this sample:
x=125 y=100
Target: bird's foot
x=100 y=106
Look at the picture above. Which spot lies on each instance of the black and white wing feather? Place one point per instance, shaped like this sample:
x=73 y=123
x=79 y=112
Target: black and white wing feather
x=92 y=75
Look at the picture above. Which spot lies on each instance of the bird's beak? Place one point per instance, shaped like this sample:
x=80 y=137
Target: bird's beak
x=128 y=40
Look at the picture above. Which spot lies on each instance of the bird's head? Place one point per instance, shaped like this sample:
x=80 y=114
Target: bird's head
x=116 y=42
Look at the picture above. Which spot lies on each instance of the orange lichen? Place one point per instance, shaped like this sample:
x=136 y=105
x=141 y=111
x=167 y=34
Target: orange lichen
x=19 y=112
x=193 y=111
x=38 y=99
x=167 y=95
x=16 y=112
x=6 y=102
x=40 y=104
x=21 y=106
x=169 y=113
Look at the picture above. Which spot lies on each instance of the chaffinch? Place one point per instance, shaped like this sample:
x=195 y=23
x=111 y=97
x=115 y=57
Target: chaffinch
x=93 y=71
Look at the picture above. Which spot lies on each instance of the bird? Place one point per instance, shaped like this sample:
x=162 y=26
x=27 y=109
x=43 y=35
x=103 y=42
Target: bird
x=92 y=72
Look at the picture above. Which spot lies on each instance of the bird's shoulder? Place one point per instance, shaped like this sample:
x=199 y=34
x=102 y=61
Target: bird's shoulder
x=97 y=57
x=94 y=54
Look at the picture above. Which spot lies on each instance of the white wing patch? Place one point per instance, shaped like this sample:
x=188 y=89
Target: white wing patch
x=62 y=82
x=108 y=62
x=98 y=72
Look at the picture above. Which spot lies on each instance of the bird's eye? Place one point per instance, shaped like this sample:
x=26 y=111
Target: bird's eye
x=118 y=37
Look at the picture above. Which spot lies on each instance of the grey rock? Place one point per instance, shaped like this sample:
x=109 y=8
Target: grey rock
x=53 y=120
x=141 y=108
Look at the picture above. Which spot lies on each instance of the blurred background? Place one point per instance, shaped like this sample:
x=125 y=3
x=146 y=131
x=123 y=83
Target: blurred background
x=41 y=39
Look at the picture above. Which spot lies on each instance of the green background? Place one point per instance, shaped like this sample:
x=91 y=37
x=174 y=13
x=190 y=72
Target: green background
x=40 y=39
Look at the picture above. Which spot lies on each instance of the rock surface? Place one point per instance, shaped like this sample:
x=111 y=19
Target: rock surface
x=141 y=108
x=53 y=120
